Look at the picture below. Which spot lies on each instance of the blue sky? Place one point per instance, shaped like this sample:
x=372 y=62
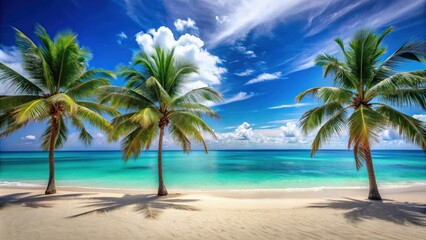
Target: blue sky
x=258 y=54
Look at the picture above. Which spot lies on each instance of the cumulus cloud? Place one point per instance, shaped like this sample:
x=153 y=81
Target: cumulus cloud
x=29 y=137
x=188 y=48
x=292 y=134
x=245 y=73
x=181 y=24
x=264 y=77
x=265 y=136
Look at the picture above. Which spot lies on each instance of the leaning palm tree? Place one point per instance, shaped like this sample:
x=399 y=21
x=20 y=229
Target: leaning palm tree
x=154 y=99
x=365 y=86
x=56 y=87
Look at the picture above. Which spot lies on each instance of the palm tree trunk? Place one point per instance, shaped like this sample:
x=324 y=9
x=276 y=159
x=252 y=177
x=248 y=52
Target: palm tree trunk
x=374 y=191
x=51 y=187
x=162 y=191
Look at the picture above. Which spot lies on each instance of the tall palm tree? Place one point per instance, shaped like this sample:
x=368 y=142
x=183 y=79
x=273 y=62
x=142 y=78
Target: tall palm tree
x=56 y=87
x=154 y=100
x=364 y=86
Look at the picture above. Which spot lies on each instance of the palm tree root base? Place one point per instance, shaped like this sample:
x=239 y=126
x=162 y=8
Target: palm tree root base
x=162 y=191
x=51 y=189
x=374 y=195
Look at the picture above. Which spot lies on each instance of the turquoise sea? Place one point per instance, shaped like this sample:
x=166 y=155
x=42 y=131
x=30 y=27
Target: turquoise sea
x=265 y=169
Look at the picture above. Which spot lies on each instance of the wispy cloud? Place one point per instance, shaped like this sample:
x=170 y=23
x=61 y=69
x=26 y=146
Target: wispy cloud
x=264 y=77
x=245 y=73
x=243 y=50
x=246 y=16
x=241 y=96
x=121 y=37
x=283 y=121
x=325 y=21
x=292 y=105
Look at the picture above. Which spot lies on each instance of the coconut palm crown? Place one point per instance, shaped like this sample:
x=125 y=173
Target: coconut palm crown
x=55 y=87
x=154 y=99
x=366 y=88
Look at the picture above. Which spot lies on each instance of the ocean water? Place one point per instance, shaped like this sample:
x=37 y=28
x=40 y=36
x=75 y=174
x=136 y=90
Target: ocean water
x=266 y=169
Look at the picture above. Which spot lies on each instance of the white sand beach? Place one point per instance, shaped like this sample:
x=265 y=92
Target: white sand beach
x=79 y=213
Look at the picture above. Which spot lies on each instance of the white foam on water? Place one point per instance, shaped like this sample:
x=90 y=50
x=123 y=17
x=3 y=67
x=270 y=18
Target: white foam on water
x=18 y=184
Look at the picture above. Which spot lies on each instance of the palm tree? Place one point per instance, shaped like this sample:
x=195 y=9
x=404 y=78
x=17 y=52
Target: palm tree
x=364 y=86
x=56 y=87
x=154 y=99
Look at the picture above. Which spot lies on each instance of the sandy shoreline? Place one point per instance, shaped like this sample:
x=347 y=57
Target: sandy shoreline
x=83 y=213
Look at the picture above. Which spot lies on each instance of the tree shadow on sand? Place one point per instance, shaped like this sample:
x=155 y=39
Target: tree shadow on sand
x=33 y=201
x=391 y=211
x=150 y=205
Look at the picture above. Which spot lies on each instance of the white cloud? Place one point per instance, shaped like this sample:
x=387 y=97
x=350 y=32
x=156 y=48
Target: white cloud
x=259 y=15
x=295 y=105
x=283 y=121
x=122 y=35
x=188 y=48
x=247 y=72
x=250 y=54
x=233 y=20
x=334 y=15
x=181 y=25
x=29 y=137
x=222 y=19
x=241 y=96
x=243 y=50
x=292 y=133
x=421 y=117
x=267 y=126
x=288 y=135
x=264 y=77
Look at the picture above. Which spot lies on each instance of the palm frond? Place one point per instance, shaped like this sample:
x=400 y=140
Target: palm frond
x=124 y=97
x=17 y=83
x=84 y=135
x=146 y=117
x=405 y=97
x=410 y=128
x=414 y=79
x=197 y=108
x=8 y=103
x=181 y=138
x=88 y=88
x=334 y=126
x=61 y=135
x=138 y=139
x=35 y=110
x=314 y=117
x=92 y=117
x=198 y=95
x=99 y=108
x=327 y=94
x=337 y=70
